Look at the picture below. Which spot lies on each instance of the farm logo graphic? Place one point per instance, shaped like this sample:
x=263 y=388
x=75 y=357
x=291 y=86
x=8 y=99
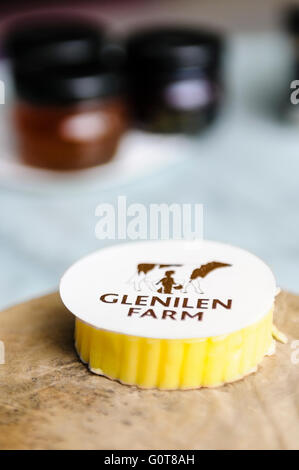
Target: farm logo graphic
x=166 y=278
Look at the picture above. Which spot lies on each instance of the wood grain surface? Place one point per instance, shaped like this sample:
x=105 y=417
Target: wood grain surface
x=49 y=400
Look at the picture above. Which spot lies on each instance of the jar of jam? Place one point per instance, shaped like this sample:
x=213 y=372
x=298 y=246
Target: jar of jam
x=174 y=79
x=69 y=114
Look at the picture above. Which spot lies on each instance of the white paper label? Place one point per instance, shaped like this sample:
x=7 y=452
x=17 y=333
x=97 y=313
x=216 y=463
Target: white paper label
x=169 y=289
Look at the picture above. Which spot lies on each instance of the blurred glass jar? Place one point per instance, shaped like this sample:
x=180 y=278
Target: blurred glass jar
x=68 y=118
x=70 y=110
x=174 y=79
x=54 y=40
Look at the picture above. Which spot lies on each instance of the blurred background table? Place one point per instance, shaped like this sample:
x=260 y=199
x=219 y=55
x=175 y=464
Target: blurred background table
x=244 y=169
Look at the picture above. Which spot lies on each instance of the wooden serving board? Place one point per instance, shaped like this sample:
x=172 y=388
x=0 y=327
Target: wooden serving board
x=49 y=400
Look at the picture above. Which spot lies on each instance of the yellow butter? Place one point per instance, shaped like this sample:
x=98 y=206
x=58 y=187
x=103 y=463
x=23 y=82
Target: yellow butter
x=171 y=363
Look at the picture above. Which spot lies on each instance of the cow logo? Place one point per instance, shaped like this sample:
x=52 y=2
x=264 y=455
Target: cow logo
x=175 y=277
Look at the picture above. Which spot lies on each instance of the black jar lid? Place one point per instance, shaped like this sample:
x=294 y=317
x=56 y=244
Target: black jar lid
x=54 y=40
x=67 y=84
x=168 y=49
x=291 y=19
x=62 y=61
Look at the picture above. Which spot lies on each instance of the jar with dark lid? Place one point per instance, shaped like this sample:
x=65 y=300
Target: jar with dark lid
x=174 y=79
x=54 y=40
x=70 y=113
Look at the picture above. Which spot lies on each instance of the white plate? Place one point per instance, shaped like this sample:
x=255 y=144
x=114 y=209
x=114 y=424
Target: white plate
x=139 y=154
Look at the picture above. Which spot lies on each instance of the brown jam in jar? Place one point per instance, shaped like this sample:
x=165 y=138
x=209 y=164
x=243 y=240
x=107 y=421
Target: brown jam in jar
x=69 y=137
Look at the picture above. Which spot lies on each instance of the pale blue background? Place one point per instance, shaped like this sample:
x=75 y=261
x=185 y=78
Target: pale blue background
x=245 y=171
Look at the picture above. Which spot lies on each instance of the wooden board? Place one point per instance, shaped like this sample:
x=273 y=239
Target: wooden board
x=49 y=400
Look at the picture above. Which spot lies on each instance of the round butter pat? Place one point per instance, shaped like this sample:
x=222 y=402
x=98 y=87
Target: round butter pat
x=171 y=314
